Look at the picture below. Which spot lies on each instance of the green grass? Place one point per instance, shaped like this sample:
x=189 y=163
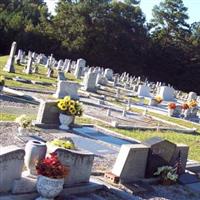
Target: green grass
x=12 y=117
x=7 y=117
x=193 y=141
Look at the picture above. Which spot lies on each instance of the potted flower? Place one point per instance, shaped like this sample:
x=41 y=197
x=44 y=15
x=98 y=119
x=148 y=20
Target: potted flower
x=24 y=121
x=171 y=108
x=65 y=143
x=167 y=175
x=155 y=101
x=51 y=177
x=68 y=110
x=192 y=103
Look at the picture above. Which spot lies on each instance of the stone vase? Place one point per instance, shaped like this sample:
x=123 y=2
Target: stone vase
x=170 y=112
x=34 y=151
x=48 y=188
x=65 y=121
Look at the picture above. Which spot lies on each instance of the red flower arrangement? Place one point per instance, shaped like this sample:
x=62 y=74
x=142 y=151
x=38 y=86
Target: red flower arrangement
x=51 y=167
x=185 y=106
x=172 y=106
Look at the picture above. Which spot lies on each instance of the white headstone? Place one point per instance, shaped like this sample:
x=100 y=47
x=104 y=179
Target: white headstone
x=9 y=67
x=90 y=81
x=143 y=91
x=108 y=74
x=67 y=88
x=166 y=93
x=131 y=162
x=29 y=66
x=79 y=67
x=192 y=96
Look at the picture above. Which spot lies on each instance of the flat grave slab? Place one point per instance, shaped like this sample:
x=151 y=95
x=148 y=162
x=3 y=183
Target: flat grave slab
x=100 y=136
x=188 y=178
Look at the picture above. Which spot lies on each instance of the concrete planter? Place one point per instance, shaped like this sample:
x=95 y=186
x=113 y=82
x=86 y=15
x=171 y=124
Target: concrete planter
x=80 y=164
x=34 y=152
x=49 y=188
x=65 y=121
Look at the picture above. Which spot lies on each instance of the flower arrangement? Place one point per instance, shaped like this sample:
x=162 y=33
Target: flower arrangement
x=2 y=80
x=63 y=143
x=172 y=105
x=51 y=167
x=185 y=106
x=192 y=103
x=24 y=121
x=69 y=106
x=158 y=99
x=167 y=173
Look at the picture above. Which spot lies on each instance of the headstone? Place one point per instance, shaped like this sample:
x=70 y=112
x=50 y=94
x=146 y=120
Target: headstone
x=61 y=76
x=60 y=64
x=67 y=88
x=49 y=72
x=160 y=154
x=124 y=113
x=192 y=96
x=9 y=67
x=108 y=112
x=109 y=74
x=29 y=66
x=19 y=56
x=48 y=115
x=131 y=162
x=143 y=91
x=79 y=67
x=11 y=165
x=166 y=93
x=90 y=81
x=80 y=163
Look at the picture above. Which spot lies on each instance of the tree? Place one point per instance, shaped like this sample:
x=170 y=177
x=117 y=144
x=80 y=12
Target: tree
x=169 y=24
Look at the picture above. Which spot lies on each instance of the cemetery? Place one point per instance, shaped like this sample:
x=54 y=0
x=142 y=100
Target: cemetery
x=72 y=131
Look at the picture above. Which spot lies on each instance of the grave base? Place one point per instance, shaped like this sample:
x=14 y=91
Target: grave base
x=45 y=126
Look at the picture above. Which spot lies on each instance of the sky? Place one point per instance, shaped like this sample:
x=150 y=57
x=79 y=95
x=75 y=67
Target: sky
x=147 y=5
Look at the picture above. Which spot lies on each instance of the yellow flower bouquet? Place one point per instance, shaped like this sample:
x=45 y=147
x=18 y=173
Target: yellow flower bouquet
x=70 y=107
x=158 y=99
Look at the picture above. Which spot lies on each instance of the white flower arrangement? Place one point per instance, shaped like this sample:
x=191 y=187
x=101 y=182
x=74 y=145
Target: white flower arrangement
x=23 y=121
x=167 y=173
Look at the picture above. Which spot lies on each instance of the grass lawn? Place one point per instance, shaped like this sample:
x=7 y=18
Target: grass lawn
x=193 y=141
x=41 y=76
x=12 y=117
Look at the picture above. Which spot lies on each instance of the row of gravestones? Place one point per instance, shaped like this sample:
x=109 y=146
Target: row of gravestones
x=12 y=163
x=92 y=76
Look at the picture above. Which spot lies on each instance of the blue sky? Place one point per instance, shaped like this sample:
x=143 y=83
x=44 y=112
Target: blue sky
x=147 y=5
